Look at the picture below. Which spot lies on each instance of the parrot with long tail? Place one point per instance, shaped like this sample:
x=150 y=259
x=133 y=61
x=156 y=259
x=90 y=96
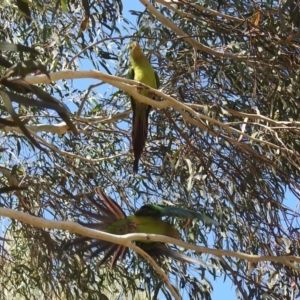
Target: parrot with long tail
x=112 y=219
x=142 y=71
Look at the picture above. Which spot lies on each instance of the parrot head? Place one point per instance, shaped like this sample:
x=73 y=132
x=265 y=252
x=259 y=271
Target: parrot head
x=135 y=52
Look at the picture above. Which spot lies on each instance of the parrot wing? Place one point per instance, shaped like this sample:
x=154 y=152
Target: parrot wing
x=108 y=211
x=130 y=74
x=158 y=211
x=112 y=206
x=95 y=247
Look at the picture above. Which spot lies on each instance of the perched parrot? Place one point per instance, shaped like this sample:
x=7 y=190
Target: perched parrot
x=147 y=219
x=142 y=71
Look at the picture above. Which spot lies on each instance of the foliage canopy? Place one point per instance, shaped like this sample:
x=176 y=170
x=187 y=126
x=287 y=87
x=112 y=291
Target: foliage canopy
x=228 y=147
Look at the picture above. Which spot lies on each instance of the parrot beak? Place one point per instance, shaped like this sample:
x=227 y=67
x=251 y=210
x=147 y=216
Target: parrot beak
x=134 y=47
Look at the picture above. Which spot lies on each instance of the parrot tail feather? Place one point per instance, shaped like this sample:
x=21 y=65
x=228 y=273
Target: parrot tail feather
x=119 y=255
x=107 y=254
x=139 y=137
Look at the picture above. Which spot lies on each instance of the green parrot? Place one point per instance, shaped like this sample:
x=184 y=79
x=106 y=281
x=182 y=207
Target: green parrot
x=112 y=219
x=142 y=71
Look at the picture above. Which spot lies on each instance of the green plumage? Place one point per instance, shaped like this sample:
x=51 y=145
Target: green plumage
x=111 y=218
x=142 y=71
x=159 y=211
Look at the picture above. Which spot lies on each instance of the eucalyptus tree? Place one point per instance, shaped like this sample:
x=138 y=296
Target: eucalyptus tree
x=223 y=139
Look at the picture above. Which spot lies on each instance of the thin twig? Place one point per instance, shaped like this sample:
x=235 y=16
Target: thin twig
x=190 y=40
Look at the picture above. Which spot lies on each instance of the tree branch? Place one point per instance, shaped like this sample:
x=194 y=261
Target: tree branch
x=126 y=85
x=170 y=3
x=190 y=40
x=126 y=240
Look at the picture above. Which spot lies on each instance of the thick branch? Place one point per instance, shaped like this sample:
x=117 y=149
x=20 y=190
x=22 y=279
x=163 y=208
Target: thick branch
x=126 y=240
x=125 y=84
